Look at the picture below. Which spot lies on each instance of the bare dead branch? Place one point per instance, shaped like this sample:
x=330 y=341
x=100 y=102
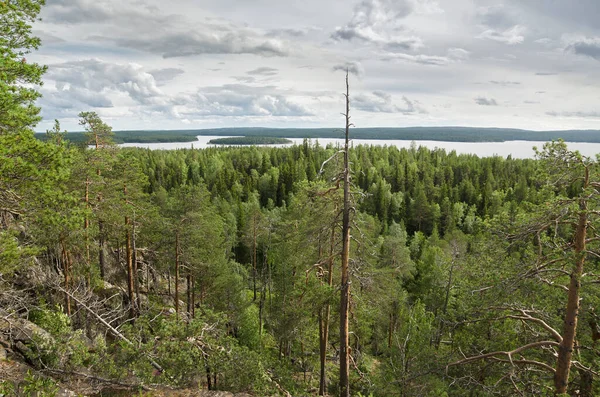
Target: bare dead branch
x=509 y=354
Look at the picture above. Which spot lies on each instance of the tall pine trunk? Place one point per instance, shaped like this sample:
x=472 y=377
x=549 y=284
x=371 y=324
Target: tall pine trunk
x=565 y=349
x=324 y=321
x=345 y=282
x=177 y=274
x=130 y=277
x=101 y=258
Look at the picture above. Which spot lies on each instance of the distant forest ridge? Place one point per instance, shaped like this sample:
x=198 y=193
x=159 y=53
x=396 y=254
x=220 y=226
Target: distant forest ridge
x=449 y=134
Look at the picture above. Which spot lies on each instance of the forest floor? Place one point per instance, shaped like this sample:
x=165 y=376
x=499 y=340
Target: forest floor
x=17 y=372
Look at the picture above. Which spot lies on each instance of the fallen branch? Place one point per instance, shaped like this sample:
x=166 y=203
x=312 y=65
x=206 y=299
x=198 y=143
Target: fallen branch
x=112 y=329
x=96 y=378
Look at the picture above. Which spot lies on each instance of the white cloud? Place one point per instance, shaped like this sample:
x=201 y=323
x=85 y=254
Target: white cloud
x=382 y=102
x=514 y=35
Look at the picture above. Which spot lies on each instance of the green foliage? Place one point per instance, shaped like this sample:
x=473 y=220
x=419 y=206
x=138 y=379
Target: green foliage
x=17 y=75
x=54 y=320
x=32 y=386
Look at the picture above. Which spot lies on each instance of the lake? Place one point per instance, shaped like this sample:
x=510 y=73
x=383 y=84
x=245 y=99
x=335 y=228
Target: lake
x=517 y=149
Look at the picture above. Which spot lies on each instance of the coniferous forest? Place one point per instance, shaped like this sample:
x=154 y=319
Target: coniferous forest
x=140 y=272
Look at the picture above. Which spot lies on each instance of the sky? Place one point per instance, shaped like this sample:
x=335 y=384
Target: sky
x=191 y=64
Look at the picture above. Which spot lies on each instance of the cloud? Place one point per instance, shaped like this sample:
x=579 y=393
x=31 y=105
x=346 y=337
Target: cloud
x=500 y=24
x=98 y=77
x=291 y=32
x=191 y=43
x=245 y=79
x=352 y=67
x=403 y=44
x=497 y=16
x=486 y=101
x=382 y=102
x=432 y=60
x=452 y=55
x=505 y=83
x=166 y=75
x=236 y=100
x=47 y=38
x=377 y=21
x=133 y=26
x=101 y=12
x=458 y=54
x=578 y=114
x=545 y=74
x=510 y=36
x=587 y=46
x=263 y=71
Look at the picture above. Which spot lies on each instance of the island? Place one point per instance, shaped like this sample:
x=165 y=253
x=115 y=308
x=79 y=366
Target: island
x=250 y=140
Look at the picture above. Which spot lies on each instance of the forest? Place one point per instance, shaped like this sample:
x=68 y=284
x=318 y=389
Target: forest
x=447 y=134
x=249 y=140
x=265 y=270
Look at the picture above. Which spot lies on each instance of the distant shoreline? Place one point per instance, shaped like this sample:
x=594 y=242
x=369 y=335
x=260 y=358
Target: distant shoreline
x=445 y=134
x=250 y=140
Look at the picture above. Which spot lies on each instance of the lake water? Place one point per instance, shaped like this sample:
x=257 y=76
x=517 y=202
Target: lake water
x=517 y=149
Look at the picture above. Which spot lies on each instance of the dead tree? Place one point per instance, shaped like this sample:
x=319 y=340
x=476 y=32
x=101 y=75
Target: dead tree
x=345 y=281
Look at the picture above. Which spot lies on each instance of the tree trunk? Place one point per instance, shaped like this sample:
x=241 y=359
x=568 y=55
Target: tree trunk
x=345 y=282
x=66 y=270
x=324 y=322
x=136 y=276
x=101 y=259
x=565 y=349
x=188 y=279
x=130 y=281
x=193 y=313
x=86 y=224
x=177 y=275
x=254 y=254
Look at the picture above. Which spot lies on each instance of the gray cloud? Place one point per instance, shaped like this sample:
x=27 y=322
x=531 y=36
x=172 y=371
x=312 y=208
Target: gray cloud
x=263 y=71
x=486 y=101
x=47 y=38
x=197 y=43
x=422 y=59
x=382 y=102
x=245 y=79
x=403 y=44
x=290 y=32
x=505 y=83
x=166 y=75
x=586 y=46
x=103 y=11
x=372 y=19
x=500 y=24
x=579 y=114
x=354 y=68
x=133 y=27
x=545 y=74
x=497 y=16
